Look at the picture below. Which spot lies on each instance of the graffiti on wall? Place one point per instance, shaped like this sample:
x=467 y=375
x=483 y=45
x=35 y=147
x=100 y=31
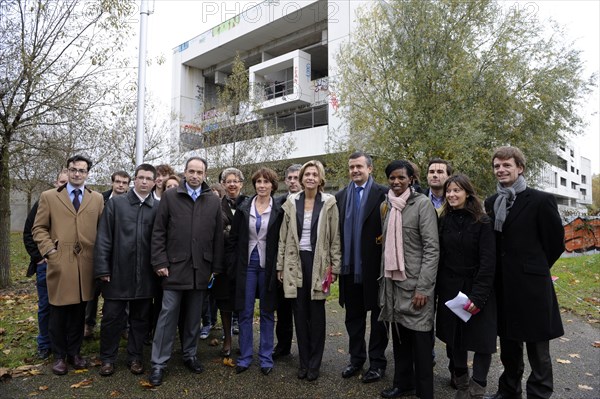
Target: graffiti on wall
x=582 y=234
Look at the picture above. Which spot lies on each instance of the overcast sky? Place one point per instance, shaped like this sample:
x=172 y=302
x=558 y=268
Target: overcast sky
x=174 y=22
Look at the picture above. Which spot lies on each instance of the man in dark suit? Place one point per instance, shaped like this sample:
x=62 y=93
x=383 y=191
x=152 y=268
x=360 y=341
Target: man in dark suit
x=120 y=184
x=285 y=325
x=360 y=227
x=187 y=248
x=38 y=266
x=530 y=238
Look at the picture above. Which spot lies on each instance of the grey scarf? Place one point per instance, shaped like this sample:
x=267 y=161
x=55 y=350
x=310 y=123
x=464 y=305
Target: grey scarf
x=506 y=198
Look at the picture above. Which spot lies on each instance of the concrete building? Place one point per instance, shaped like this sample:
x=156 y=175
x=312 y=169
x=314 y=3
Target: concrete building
x=289 y=48
x=570 y=180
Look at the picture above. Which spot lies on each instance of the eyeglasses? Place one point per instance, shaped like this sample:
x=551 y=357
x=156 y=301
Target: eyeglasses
x=144 y=178
x=232 y=182
x=80 y=171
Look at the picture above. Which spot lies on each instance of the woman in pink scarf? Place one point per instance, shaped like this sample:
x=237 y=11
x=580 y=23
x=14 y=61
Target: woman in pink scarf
x=409 y=267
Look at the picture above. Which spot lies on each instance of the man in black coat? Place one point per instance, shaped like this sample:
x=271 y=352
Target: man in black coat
x=122 y=266
x=529 y=239
x=360 y=227
x=120 y=184
x=38 y=266
x=187 y=248
x=285 y=324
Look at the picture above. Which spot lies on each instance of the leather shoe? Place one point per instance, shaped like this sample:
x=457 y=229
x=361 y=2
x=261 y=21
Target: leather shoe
x=136 y=367
x=396 y=393
x=156 y=376
x=266 y=370
x=59 y=367
x=77 y=362
x=107 y=369
x=312 y=374
x=194 y=365
x=351 y=370
x=373 y=375
x=240 y=369
x=302 y=373
x=278 y=352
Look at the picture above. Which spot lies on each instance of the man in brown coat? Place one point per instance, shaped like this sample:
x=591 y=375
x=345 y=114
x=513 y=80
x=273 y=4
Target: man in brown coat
x=65 y=232
x=187 y=247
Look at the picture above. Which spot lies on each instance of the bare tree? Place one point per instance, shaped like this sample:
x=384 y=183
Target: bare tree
x=56 y=58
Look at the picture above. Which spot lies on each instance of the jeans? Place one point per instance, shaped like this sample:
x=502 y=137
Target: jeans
x=43 y=338
x=255 y=281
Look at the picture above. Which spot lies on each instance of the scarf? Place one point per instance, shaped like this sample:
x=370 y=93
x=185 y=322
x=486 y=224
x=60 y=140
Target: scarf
x=506 y=198
x=353 y=231
x=394 y=250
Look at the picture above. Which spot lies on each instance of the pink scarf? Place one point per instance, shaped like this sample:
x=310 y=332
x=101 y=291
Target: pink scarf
x=394 y=250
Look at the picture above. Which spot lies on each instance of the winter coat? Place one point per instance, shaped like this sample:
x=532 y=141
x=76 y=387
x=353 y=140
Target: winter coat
x=326 y=251
x=122 y=249
x=237 y=254
x=421 y=255
x=467 y=264
x=70 y=272
x=29 y=242
x=532 y=239
x=188 y=238
x=370 y=243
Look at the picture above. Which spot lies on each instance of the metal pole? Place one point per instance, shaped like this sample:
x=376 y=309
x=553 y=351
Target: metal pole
x=141 y=85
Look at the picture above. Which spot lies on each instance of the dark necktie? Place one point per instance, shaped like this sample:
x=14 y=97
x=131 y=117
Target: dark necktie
x=76 y=202
x=357 y=191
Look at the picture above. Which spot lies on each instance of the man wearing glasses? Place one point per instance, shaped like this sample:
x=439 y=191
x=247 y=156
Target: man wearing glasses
x=65 y=232
x=122 y=264
x=187 y=247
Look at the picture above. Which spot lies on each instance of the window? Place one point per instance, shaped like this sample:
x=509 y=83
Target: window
x=572 y=169
x=583 y=179
x=574 y=185
x=563 y=181
x=583 y=191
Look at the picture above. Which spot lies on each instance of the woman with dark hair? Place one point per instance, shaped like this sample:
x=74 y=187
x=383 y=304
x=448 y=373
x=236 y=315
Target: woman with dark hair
x=408 y=271
x=171 y=182
x=308 y=261
x=467 y=264
x=163 y=172
x=252 y=249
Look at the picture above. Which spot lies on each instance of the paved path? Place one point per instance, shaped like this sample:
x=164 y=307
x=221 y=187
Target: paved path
x=219 y=381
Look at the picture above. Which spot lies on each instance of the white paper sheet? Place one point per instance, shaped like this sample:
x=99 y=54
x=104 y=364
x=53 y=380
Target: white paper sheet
x=456 y=305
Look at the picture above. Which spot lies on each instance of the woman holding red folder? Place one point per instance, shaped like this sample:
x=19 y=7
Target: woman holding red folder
x=309 y=260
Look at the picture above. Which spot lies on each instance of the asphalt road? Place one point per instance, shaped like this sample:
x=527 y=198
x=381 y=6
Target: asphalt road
x=576 y=369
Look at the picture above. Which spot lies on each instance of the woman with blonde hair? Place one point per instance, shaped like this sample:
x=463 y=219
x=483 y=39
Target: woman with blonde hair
x=309 y=261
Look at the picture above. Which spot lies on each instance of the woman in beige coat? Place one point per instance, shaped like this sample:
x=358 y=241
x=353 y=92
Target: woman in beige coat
x=309 y=252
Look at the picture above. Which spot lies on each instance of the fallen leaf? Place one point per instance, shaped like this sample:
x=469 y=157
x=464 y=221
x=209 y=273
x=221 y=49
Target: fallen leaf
x=214 y=342
x=563 y=339
x=227 y=361
x=589 y=374
x=335 y=334
x=585 y=387
x=341 y=351
x=35 y=372
x=114 y=394
x=80 y=371
x=6 y=351
x=2 y=331
x=334 y=311
x=596 y=344
x=43 y=388
x=575 y=355
x=146 y=384
x=563 y=361
x=84 y=383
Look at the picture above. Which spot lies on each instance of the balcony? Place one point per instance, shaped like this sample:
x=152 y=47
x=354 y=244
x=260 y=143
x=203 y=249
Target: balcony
x=282 y=82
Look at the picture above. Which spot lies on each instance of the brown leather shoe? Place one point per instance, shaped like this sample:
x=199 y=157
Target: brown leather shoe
x=136 y=367
x=77 y=362
x=107 y=369
x=59 y=367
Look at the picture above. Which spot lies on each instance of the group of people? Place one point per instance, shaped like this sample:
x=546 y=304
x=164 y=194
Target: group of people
x=398 y=253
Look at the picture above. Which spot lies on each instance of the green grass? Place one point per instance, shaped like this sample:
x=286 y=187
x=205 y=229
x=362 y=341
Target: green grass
x=577 y=288
x=578 y=285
